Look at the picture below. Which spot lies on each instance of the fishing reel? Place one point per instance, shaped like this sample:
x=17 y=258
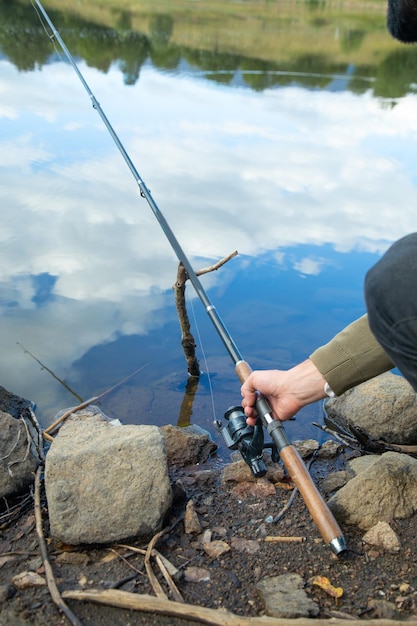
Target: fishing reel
x=249 y=440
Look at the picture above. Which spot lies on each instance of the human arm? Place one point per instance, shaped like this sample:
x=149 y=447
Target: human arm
x=350 y=358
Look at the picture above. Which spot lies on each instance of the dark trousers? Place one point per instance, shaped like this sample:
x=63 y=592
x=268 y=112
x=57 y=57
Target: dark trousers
x=391 y=300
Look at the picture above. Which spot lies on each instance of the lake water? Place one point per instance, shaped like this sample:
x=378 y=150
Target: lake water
x=296 y=148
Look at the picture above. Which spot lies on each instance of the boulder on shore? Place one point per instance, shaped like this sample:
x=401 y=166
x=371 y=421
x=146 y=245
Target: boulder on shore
x=17 y=450
x=383 y=489
x=104 y=482
x=383 y=409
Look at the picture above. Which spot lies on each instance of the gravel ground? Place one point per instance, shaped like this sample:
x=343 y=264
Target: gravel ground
x=375 y=585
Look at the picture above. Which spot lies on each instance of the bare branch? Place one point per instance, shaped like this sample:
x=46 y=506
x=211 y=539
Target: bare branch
x=52 y=586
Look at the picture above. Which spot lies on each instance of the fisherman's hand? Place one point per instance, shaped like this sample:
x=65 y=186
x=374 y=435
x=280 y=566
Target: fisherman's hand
x=286 y=391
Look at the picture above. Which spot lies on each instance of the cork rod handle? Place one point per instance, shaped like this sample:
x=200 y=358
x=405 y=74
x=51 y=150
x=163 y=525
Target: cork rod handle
x=319 y=511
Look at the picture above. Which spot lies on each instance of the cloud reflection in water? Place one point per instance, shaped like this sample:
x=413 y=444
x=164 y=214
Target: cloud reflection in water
x=309 y=186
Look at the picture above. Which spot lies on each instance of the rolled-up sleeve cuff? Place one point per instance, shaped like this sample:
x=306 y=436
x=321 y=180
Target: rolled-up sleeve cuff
x=351 y=357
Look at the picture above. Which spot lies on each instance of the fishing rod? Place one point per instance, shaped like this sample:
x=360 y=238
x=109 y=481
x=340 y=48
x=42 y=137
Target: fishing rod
x=319 y=511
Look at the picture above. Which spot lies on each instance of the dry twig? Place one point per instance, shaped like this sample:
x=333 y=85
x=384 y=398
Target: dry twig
x=156 y=585
x=124 y=559
x=13 y=512
x=169 y=566
x=217 y=265
x=64 y=416
x=161 y=606
x=282 y=539
x=52 y=586
x=285 y=508
x=174 y=589
x=166 y=567
x=202 y=615
x=85 y=404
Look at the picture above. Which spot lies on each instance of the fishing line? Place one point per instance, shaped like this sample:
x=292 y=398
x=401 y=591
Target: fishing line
x=50 y=35
x=213 y=407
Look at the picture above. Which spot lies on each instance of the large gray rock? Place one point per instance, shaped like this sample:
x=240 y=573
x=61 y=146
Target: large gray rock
x=106 y=483
x=384 y=488
x=18 y=461
x=383 y=408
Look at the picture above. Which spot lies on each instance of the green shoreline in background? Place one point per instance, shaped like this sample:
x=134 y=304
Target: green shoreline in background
x=269 y=31
x=263 y=40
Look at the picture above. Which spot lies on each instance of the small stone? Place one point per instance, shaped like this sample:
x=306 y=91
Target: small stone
x=382 y=609
x=197 y=575
x=34 y=564
x=191 y=521
x=336 y=480
x=216 y=548
x=73 y=558
x=306 y=448
x=382 y=536
x=261 y=489
x=220 y=531
x=83 y=580
x=28 y=579
x=373 y=554
x=205 y=477
x=329 y=449
x=239 y=472
x=245 y=545
x=285 y=597
x=188 y=445
x=206 y=536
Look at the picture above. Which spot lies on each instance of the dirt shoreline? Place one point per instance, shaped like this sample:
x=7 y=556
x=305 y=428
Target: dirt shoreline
x=376 y=585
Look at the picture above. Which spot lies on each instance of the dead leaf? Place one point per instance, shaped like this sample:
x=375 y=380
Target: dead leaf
x=284 y=485
x=110 y=556
x=325 y=584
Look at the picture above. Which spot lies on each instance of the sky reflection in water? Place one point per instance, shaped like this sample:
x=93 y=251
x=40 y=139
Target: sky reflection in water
x=309 y=186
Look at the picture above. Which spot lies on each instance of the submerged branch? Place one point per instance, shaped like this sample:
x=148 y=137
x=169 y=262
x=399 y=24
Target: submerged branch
x=47 y=369
x=186 y=409
x=187 y=339
x=85 y=404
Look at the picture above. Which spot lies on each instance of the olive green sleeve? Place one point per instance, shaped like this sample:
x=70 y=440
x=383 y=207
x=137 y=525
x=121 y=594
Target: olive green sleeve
x=351 y=357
